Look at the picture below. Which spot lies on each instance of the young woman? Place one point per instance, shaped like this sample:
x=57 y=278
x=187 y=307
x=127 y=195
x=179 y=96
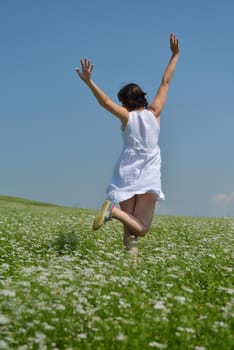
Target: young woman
x=136 y=181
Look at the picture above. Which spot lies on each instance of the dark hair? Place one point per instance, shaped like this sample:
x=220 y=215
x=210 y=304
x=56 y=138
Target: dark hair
x=132 y=97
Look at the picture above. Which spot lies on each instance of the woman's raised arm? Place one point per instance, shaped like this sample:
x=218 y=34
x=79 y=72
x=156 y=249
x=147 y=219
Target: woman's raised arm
x=160 y=99
x=86 y=75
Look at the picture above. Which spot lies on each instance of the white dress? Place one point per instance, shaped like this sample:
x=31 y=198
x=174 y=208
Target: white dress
x=138 y=169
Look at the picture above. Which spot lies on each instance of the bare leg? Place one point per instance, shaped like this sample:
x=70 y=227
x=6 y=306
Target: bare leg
x=128 y=207
x=136 y=218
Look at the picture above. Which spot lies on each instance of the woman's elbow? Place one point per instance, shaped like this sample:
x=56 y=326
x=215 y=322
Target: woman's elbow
x=103 y=103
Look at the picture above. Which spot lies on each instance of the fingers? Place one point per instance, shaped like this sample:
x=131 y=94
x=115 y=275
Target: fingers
x=86 y=64
x=77 y=71
x=173 y=39
x=86 y=69
x=174 y=43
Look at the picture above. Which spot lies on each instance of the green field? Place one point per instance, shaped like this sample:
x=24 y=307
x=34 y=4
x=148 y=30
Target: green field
x=63 y=286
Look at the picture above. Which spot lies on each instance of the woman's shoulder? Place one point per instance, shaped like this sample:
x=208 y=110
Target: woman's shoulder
x=152 y=114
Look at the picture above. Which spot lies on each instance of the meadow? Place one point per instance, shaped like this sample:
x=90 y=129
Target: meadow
x=65 y=287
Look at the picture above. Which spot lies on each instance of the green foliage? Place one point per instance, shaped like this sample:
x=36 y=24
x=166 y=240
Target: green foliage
x=7 y=200
x=66 y=242
x=63 y=286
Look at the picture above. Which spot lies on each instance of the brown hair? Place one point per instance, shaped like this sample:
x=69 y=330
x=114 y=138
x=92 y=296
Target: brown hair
x=132 y=97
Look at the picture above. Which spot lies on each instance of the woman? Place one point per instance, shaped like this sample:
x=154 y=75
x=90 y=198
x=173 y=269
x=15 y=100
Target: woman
x=136 y=181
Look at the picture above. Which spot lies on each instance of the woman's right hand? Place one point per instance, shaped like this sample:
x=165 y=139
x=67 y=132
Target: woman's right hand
x=174 y=44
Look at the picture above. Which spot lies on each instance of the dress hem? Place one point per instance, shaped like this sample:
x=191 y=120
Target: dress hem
x=160 y=196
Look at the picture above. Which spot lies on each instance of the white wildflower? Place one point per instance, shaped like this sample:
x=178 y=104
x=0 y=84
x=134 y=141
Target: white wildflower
x=5 y=266
x=24 y=283
x=40 y=337
x=199 y=348
x=187 y=330
x=173 y=256
x=172 y=275
x=48 y=327
x=3 y=319
x=7 y=293
x=220 y=324
x=155 y=344
x=187 y=289
x=190 y=330
x=121 y=337
x=123 y=304
x=60 y=307
x=160 y=306
x=22 y=347
x=180 y=298
x=212 y=256
x=227 y=290
x=227 y=268
x=116 y=294
x=4 y=345
x=82 y=335
x=202 y=317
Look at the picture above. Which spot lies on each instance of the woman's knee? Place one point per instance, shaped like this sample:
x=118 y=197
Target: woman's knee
x=144 y=229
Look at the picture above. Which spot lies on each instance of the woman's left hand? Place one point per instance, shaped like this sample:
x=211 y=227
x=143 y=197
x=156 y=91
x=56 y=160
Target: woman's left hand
x=87 y=68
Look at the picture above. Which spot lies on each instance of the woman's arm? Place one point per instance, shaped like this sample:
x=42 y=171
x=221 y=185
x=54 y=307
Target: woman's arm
x=85 y=75
x=161 y=96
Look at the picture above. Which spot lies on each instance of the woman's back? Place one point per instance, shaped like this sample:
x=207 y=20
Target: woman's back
x=141 y=131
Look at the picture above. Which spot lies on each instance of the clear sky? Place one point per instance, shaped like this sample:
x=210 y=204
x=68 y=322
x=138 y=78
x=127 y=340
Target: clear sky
x=58 y=145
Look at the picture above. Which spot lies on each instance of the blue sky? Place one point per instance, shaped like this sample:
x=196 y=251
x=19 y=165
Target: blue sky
x=58 y=145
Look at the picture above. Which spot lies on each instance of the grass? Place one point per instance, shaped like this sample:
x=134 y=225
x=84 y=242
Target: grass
x=63 y=286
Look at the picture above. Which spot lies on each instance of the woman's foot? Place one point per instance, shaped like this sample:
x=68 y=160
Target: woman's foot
x=104 y=215
x=133 y=248
x=131 y=243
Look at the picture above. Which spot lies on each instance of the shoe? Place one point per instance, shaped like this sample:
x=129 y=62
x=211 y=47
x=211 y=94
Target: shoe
x=104 y=215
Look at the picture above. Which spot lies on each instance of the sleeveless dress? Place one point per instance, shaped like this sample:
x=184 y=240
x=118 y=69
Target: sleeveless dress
x=138 y=169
